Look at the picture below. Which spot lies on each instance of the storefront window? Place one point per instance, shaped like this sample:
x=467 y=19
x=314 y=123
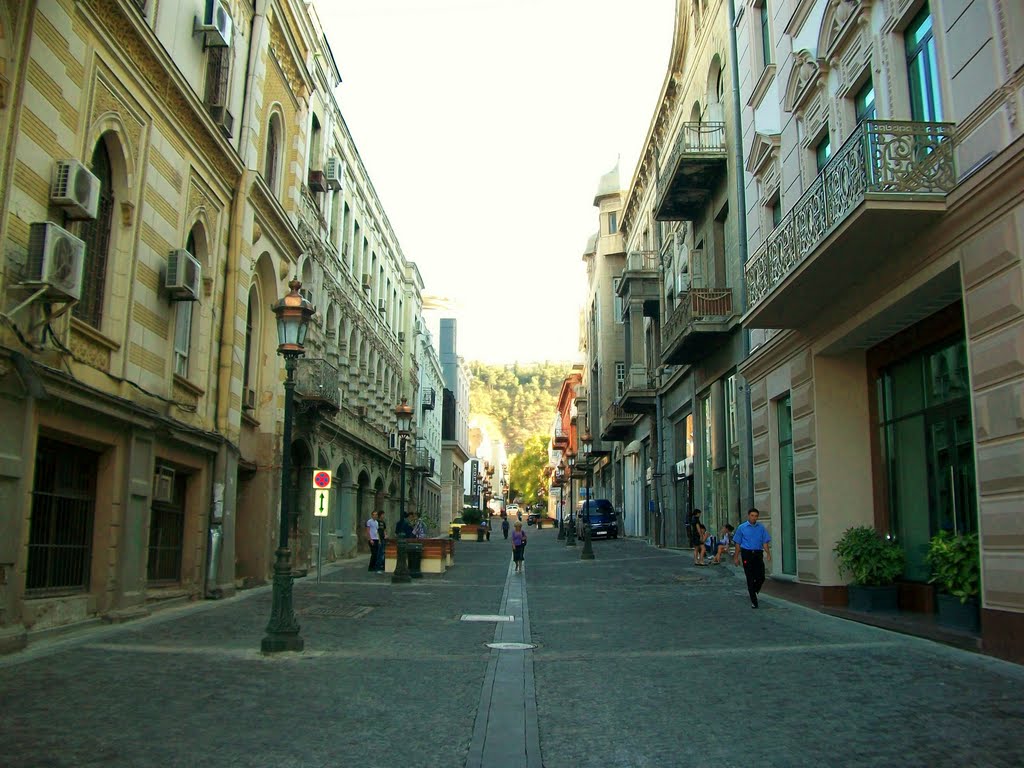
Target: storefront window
x=927 y=442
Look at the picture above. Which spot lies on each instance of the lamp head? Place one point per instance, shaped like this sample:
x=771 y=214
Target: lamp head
x=403 y=415
x=293 y=312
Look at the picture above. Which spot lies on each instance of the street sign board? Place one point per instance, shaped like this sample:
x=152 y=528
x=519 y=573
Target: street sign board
x=321 y=502
x=322 y=479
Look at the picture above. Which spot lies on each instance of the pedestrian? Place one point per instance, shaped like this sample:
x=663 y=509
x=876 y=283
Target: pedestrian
x=504 y=527
x=752 y=540
x=382 y=533
x=702 y=544
x=373 y=534
x=695 y=537
x=723 y=542
x=518 y=546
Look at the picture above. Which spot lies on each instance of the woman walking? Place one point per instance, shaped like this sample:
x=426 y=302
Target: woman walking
x=518 y=546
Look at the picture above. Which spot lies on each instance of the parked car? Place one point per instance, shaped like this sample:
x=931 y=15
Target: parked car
x=602 y=517
x=532 y=518
x=512 y=512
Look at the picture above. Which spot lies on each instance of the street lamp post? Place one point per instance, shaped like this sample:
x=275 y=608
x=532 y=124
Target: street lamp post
x=570 y=533
x=293 y=313
x=561 y=502
x=403 y=415
x=588 y=550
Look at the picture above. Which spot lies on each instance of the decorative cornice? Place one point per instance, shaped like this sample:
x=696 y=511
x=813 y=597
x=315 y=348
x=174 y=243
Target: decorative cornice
x=145 y=55
x=272 y=219
x=761 y=86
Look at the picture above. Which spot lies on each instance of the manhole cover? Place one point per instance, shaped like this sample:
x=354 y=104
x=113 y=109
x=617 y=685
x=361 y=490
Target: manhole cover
x=485 y=617
x=511 y=646
x=336 y=612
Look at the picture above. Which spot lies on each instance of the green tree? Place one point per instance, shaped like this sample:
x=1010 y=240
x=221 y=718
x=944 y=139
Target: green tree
x=527 y=471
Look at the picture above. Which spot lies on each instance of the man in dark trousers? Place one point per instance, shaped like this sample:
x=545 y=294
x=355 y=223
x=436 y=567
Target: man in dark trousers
x=752 y=541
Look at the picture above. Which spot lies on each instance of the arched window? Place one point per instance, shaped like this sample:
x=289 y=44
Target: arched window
x=272 y=153
x=96 y=234
x=183 y=322
x=251 y=355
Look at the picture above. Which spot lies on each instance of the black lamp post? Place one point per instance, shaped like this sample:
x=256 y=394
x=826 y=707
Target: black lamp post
x=293 y=313
x=403 y=415
x=588 y=550
x=561 y=500
x=570 y=533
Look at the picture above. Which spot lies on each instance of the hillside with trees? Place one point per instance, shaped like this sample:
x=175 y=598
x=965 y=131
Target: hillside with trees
x=516 y=401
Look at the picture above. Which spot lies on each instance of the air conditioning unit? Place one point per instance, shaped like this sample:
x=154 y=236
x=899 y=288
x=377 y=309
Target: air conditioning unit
x=317 y=181
x=163 y=485
x=381 y=306
x=215 y=26
x=335 y=173
x=224 y=119
x=55 y=260
x=366 y=281
x=75 y=190
x=401 y=337
x=249 y=399
x=184 y=273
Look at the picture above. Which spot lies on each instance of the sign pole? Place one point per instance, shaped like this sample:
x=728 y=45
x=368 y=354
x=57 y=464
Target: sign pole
x=320 y=551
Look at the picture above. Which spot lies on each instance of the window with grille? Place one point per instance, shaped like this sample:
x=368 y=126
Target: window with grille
x=166 y=535
x=183 y=323
x=218 y=68
x=96 y=234
x=620 y=378
x=63 y=508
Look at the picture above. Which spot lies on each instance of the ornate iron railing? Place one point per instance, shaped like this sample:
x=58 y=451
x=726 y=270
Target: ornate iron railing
x=642 y=261
x=707 y=139
x=697 y=304
x=881 y=159
x=422 y=459
x=317 y=379
x=614 y=414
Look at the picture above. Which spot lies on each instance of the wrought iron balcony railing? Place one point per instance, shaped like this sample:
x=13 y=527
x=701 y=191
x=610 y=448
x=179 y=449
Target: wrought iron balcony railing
x=309 y=210
x=695 y=305
x=883 y=160
x=422 y=459
x=696 y=161
x=316 y=381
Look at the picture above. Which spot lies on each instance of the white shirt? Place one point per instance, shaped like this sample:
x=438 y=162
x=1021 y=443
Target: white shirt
x=371 y=528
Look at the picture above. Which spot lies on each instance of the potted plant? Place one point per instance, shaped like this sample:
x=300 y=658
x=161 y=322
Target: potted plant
x=873 y=563
x=955 y=569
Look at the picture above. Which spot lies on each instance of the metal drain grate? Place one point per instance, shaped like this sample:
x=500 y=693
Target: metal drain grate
x=336 y=611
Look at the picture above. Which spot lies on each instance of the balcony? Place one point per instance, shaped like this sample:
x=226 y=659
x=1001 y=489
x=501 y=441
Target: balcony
x=429 y=399
x=309 y=210
x=697 y=325
x=421 y=460
x=886 y=183
x=617 y=424
x=639 y=282
x=696 y=164
x=316 y=383
x=639 y=392
x=559 y=439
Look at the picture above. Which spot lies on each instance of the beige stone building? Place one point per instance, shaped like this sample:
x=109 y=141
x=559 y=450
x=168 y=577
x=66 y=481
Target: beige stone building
x=186 y=160
x=885 y=285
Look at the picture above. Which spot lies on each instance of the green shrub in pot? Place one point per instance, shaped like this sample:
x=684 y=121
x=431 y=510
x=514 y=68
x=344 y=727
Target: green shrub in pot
x=955 y=564
x=867 y=558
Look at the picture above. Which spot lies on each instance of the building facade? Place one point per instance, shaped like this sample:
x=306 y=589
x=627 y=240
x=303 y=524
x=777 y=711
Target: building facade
x=428 y=431
x=454 y=424
x=885 y=286
x=681 y=298
x=604 y=350
x=187 y=167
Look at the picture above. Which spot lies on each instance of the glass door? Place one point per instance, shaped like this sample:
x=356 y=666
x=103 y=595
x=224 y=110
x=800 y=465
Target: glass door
x=951 y=472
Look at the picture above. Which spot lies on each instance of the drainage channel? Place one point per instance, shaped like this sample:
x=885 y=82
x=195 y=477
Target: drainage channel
x=505 y=732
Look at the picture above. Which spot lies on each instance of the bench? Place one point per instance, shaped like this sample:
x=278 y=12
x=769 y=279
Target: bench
x=438 y=555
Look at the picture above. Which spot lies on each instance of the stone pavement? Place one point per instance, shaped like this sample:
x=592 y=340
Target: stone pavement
x=641 y=659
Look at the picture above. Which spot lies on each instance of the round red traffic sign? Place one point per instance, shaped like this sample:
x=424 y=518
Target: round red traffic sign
x=322 y=480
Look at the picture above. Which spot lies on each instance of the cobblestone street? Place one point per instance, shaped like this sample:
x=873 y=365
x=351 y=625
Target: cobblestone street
x=641 y=659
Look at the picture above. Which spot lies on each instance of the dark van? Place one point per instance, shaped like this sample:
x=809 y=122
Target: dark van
x=603 y=520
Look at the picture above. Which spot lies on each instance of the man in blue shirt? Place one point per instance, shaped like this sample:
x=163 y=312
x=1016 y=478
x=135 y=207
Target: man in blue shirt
x=751 y=541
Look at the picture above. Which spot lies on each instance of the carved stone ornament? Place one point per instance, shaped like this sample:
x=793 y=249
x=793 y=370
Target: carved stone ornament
x=804 y=74
x=127 y=212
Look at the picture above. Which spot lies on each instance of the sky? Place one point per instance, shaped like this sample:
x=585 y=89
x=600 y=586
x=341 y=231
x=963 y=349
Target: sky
x=485 y=126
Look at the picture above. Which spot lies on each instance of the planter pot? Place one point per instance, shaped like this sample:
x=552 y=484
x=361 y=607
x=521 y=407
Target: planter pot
x=956 y=615
x=873 y=599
